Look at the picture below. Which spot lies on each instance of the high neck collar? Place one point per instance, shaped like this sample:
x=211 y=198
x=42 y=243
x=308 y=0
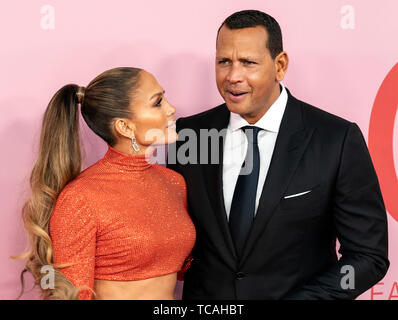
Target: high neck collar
x=128 y=162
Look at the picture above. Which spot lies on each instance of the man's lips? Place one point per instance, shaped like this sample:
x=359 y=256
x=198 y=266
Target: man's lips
x=236 y=92
x=236 y=95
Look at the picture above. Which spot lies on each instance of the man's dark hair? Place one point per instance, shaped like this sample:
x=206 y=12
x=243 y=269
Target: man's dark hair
x=254 y=18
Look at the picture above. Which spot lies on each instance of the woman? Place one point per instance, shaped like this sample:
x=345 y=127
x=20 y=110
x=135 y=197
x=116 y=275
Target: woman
x=120 y=228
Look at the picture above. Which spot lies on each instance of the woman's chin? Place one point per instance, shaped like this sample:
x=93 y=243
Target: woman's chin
x=171 y=135
x=171 y=138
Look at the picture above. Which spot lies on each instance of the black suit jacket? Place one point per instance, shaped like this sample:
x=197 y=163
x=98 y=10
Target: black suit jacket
x=291 y=249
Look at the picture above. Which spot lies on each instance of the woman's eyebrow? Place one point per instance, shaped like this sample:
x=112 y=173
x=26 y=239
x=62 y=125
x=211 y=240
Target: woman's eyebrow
x=159 y=94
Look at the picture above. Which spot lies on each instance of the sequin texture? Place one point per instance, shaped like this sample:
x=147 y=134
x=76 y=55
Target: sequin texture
x=123 y=218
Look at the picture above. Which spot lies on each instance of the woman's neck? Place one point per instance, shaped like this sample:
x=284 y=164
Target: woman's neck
x=128 y=149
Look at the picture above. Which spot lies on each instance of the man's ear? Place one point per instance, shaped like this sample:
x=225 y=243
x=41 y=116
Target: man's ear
x=124 y=127
x=281 y=64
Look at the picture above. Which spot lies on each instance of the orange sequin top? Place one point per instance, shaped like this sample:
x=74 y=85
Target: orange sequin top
x=123 y=218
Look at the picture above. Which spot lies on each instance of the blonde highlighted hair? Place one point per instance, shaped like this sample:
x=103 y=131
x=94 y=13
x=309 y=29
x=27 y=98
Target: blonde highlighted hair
x=59 y=161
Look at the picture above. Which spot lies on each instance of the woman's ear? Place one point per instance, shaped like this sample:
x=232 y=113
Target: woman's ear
x=124 y=127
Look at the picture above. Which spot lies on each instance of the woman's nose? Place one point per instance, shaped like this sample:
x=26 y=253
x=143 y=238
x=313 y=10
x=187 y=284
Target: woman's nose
x=172 y=109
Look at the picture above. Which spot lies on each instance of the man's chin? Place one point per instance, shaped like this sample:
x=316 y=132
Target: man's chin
x=236 y=108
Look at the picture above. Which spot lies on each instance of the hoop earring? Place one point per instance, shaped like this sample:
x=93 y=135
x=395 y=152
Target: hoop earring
x=134 y=144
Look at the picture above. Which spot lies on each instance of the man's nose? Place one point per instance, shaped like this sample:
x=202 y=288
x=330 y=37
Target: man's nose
x=235 y=73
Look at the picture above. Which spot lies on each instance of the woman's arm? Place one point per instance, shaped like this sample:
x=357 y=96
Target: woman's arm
x=73 y=230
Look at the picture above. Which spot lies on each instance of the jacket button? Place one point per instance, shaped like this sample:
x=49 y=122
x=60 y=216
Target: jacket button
x=240 y=275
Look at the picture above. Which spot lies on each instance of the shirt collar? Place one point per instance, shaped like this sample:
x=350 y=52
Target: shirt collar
x=270 y=121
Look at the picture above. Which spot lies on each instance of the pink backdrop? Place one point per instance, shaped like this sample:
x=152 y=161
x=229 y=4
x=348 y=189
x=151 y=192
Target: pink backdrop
x=339 y=57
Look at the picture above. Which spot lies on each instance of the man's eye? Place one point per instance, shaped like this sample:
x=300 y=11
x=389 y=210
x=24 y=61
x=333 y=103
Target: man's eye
x=159 y=102
x=223 y=62
x=249 y=62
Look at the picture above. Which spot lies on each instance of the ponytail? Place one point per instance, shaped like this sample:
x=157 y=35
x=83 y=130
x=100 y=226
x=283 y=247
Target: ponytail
x=108 y=96
x=58 y=162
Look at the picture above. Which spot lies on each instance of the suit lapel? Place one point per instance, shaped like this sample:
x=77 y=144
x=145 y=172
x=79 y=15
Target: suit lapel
x=212 y=173
x=291 y=143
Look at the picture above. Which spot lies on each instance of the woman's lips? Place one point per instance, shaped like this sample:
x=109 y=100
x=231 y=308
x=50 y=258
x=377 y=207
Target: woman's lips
x=236 y=96
x=172 y=125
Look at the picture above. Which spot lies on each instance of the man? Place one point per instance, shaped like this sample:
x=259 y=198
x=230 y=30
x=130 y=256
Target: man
x=269 y=231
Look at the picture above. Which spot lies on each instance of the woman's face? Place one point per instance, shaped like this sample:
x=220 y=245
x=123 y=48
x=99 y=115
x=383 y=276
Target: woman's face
x=152 y=113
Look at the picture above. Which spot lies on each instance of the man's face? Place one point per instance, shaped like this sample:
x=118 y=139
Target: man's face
x=246 y=74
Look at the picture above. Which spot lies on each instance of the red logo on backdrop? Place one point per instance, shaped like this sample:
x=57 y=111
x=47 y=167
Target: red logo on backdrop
x=381 y=136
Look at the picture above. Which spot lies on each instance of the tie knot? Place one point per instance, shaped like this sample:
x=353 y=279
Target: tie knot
x=251 y=133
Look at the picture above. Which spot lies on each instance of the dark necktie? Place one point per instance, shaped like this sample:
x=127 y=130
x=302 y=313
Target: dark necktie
x=244 y=199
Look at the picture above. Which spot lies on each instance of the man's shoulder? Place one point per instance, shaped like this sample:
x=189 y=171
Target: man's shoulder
x=322 y=119
x=203 y=117
x=312 y=115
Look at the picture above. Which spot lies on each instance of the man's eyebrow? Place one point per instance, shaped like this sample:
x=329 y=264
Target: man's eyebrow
x=159 y=94
x=240 y=59
x=248 y=58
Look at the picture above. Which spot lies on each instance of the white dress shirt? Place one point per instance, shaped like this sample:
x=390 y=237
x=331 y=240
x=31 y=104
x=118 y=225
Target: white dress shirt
x=235 y=147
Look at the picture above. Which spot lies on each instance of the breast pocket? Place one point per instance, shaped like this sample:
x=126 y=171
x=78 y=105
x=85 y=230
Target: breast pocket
x=305 y=199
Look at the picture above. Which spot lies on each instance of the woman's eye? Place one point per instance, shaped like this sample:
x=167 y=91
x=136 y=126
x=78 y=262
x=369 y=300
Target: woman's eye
x=159 y=102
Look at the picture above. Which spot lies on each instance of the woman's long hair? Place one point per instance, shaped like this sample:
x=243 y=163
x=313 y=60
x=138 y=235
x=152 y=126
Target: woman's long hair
x=59 y=161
